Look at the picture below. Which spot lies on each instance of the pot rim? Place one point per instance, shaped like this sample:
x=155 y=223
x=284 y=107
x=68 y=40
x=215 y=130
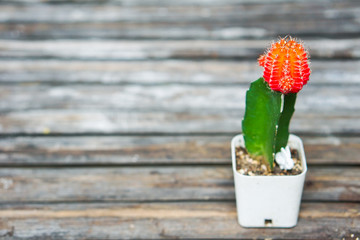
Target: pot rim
x=292 y=137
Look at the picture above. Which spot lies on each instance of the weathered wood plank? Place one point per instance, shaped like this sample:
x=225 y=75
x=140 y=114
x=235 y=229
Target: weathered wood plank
x=169 y=220
x=177 y=31
x=157 y=183
x=164 y=108
x=235 y=20
x=161 y=72
x=158 y=2
x=289 y=11
x=189 y=122
x=334 y=99
x=140 y=150
x=124 y=30
x=185 y=49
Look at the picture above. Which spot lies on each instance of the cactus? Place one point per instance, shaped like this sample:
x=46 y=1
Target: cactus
x=270 y=100
x=286 y=66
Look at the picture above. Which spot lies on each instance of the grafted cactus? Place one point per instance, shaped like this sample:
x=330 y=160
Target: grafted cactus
x=270 y=100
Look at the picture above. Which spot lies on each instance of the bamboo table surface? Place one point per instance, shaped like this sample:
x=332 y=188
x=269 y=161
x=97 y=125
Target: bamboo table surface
x=116 y=116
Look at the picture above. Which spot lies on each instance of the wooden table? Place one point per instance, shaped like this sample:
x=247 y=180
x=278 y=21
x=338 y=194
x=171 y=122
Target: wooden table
x=116 y=116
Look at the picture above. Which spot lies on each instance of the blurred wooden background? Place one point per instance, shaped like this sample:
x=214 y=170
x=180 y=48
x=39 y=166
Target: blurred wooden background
x=116 y=116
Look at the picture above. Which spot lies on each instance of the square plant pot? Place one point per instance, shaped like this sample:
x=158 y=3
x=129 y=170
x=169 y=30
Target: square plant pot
x=268 y=201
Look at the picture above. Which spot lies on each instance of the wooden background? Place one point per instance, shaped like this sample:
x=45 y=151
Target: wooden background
x=116 y=116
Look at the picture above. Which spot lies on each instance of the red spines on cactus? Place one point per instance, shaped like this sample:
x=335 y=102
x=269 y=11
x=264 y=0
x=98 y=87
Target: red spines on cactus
x=286 y=66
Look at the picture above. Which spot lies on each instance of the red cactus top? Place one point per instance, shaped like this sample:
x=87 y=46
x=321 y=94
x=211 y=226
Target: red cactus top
x=286 y=66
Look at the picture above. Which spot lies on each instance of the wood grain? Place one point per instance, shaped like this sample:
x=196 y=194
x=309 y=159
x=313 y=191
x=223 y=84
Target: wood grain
x=159 y=50
x=157 y=183
x=148 y=150
x=162 y=72
x=173 y=20
x=184 y=122
x=38 y=109
x=156 y=2
x=168 y=98
x=168 y=220
x=234 y=11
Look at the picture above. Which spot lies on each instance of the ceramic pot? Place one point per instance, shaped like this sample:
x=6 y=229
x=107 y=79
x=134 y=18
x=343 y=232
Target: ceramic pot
x=268 y=201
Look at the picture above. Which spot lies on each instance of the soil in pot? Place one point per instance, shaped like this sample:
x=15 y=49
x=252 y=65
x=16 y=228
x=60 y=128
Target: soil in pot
x=246 y=165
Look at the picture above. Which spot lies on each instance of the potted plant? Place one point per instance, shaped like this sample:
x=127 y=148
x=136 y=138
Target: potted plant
x=269 y=164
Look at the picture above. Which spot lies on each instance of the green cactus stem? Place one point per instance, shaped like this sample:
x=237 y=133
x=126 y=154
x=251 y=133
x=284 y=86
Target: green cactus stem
x=266 y=122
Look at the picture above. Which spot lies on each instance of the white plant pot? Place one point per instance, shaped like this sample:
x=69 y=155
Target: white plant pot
x=268 y=201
